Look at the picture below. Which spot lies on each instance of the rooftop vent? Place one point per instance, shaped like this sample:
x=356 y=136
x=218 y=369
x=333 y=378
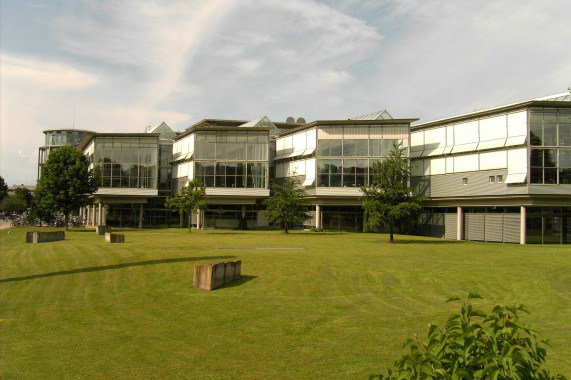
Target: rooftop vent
x=290 y=120
x=301 y=120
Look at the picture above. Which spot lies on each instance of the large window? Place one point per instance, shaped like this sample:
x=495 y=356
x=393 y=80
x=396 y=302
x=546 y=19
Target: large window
x=126 y=162
x=225 y=145
x=342 y=173
x=551 y=128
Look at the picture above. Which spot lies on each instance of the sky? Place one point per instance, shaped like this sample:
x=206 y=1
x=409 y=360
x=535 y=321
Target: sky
x=120 y=66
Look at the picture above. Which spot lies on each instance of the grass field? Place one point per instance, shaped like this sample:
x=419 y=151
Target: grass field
x=339 y=308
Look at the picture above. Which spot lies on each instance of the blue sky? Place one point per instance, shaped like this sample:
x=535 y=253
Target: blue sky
x=124 y=65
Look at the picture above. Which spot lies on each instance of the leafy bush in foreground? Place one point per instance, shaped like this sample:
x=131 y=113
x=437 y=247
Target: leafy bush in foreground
x=475 y=345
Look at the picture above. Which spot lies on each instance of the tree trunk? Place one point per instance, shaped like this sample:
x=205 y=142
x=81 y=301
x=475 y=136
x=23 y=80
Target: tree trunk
x=391 y=228
x=285 y=228
x=189 y=222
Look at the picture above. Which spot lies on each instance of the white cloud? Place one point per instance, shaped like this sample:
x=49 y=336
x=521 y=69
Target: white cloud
x=51 y=76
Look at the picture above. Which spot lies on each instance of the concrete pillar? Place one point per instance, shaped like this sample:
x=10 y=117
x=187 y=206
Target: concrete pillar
x=317 y=217
x=99 y=212
x=460 y=225
x=104 y=217
x=92 y=215
x=141 y=216
x=198 y=219
x=201 y=213
x=522 y=226
x=86 y=212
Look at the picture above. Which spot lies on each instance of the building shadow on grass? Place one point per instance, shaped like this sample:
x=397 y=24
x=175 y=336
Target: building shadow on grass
x=115 y=266
x=243 y=279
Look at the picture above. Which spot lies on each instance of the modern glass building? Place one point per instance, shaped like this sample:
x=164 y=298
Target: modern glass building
x=56 y=138
x=134 y=177
x=332 y=160
x=501 y=174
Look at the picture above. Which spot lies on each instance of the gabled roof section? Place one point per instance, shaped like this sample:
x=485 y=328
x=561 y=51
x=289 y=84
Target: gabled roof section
x=165 y=132
x=379 y=115
x=263 y=121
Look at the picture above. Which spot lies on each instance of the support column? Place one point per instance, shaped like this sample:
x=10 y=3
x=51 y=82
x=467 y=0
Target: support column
x=460 y=225
x=198 y=217
x=201 y=212
x=141 y=216
x=99 y=212
x=522 y=226
x=104 y=216
x=86 y=211
x=92 y=215
x=317 y=217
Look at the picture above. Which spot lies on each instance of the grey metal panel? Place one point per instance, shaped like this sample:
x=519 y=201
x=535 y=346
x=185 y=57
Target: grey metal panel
x=511 y=228
x=474 y=226
x=450 y=226
x=450 y=185
x=493 y=226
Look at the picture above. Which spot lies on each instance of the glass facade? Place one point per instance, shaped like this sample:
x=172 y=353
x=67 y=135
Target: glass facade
x=550 y=140
x=346 y=154
x=63 y=137
x=232 y=159
x=548 y=225
x=126 y=162
x=342 y=218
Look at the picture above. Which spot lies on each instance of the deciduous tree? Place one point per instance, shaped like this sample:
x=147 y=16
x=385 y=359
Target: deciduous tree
x=288 y=205
x=389 y=200
x=190 y=199
x=65 y=184
x=3 y=188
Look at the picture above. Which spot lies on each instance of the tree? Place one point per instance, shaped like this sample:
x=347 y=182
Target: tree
x=3 y=188
x=190 y=199
x=389 y=200
x=24 y=194
x=13 y=203
x=475 y=345
x=65 y=184
x=288 y=205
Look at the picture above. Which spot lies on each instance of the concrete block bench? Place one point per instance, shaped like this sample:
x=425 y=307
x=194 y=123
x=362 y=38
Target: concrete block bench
x=102 y=230
x=210 y=276
x=114 y=238
x=44 y=236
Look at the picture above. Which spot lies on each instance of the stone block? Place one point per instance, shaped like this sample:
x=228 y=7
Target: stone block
x=44 y=236
x=114 y=238
x=210 y=276
x=102 y=230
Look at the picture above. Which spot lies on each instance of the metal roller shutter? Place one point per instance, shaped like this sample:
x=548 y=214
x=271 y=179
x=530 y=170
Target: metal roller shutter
x=494 y=227
x=450 y=227
x=474 y=227
x=511 y=228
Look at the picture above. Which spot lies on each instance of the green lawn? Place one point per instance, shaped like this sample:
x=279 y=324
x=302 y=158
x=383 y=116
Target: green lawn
x=340 y=308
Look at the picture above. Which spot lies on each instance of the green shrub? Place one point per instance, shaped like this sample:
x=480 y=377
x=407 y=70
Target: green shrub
x=475 y=345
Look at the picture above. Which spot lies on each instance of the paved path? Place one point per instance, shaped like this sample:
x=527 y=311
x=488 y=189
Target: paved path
x=4 y=224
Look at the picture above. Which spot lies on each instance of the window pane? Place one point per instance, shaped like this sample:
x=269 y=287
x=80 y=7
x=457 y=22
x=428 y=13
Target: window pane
x=549 y=134
x=336 y=148
x=564 y=134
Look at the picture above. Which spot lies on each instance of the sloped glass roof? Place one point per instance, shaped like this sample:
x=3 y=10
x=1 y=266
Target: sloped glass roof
x=562 y=97
x=379 y=115
x=263 y=121
x=164 y=130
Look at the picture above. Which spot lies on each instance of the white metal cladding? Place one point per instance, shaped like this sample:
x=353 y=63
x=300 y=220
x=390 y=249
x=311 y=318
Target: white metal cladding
x=437 y=166
x=511 y=228
x=310 y=168
x=299 y=142
x=466 y=163
x=493 y=160
x=494 y=128
x=517 y=161
x=508 y=129
x=494 y=227
x=450 y=226
x=466 y=133
x=474 y=226
x=311 y=139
